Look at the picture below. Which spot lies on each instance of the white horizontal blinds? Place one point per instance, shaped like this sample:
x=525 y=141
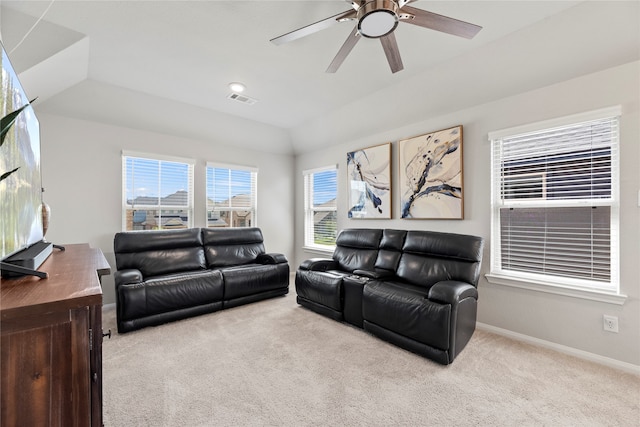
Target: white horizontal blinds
x=563 y=242
x=231 y=196
x=565 y=163
x=158 y=193
x=555 y=190
x=321 y=207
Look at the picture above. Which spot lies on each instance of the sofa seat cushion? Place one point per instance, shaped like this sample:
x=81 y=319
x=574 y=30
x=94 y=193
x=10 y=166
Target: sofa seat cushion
x=162 y=294
x=405 y=309
x=251 y=279
x=321 y=287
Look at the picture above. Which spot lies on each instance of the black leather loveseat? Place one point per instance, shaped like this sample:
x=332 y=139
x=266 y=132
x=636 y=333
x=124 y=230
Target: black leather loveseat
x=415 y=289
x=169 y=275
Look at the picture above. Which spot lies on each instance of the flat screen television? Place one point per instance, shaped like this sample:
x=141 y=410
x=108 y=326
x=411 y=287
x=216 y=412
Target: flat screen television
x=20 y=192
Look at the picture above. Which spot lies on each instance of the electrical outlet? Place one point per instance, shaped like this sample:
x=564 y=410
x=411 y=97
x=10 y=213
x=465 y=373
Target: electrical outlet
x=610 y=323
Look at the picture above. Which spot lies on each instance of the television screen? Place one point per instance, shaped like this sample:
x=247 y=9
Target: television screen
x=20 y=192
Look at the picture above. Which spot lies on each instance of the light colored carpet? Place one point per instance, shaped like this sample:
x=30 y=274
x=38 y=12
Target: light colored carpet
x=274 y=363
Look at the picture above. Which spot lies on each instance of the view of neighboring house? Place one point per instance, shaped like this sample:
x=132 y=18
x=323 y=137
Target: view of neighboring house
x=171 y=212
x=230 y=213
x=155 y=213
x=324 y=224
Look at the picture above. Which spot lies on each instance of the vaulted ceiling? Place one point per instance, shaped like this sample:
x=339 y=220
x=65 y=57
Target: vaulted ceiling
x=165 y=65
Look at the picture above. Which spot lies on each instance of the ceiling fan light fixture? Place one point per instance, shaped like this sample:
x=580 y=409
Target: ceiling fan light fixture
x=377 y=18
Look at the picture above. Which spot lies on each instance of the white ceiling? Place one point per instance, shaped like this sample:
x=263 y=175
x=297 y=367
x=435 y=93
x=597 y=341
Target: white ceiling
x=165 y=65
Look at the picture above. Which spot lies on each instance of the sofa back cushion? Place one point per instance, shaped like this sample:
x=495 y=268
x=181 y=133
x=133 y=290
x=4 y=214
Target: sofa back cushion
x=429 y=257
x=226 y=247
x=161 y=252
x=390 y=249
x=357 y=248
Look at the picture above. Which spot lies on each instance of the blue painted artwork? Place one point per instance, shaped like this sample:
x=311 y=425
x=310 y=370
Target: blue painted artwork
x=369 y=173
x=431 y=175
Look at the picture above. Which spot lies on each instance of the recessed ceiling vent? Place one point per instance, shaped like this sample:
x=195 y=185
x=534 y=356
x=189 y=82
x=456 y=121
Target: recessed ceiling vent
x=242 y=98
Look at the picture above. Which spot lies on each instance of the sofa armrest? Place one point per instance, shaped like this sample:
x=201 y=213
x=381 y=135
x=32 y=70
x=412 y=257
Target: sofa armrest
x=318 y=264
x=378 y=273
x=451 y=292
x=127 y=276
x=272 y=258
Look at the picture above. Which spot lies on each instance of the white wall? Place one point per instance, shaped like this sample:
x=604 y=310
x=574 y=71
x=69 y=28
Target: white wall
x=82 y=177
x=576 y=323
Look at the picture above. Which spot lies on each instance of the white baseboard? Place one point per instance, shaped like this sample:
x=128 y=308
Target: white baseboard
x=581 y=354
x=109 y=306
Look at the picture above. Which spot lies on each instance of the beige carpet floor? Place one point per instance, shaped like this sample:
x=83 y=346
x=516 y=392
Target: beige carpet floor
x=274 y=363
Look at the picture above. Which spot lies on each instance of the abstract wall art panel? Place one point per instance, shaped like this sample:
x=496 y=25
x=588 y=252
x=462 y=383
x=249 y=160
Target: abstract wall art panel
x=431 y=175
x=369 y=180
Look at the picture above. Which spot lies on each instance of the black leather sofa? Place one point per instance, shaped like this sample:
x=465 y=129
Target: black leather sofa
x=415 y=289
x=169 y=275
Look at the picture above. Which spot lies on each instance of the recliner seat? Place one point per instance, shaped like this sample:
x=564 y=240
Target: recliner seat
x=169 y=275
x=416 y=289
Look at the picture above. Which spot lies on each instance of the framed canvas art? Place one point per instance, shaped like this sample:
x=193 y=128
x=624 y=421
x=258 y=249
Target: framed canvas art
x=369 y=180
x=431 y=175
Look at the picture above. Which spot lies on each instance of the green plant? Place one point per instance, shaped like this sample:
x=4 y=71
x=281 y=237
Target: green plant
x=5 y=124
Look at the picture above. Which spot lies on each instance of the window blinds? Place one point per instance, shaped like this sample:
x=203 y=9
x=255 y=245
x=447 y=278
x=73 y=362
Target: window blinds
x=231 y=196
x=555 y=194
x=157 y=192
x=563 y=242
x=572 y=162
x=320 y=207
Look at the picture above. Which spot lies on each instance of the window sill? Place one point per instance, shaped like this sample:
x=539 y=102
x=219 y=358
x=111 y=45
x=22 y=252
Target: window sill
x=593 y=295
x=319 y=251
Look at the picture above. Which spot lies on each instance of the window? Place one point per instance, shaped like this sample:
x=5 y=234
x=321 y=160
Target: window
x=320 y=208
x=157 y=192
x=231 y=196
x=555 y=202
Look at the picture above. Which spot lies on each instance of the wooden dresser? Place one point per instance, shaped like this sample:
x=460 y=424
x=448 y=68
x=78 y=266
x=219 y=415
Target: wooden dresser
x=51 y=342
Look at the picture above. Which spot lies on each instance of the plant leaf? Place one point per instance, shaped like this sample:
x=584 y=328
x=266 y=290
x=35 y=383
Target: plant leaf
x=7 y=121
x=6 y=174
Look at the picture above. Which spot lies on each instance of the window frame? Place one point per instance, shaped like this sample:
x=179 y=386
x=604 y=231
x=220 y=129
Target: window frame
x=585 y=289
x=253 y=197
x=310 y=209
x=189 y=207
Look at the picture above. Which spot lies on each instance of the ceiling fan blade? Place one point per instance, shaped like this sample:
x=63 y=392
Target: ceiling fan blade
x=402 y=3
x=315 y=27
x=391 y=51
x=346 y=48
x=441 y=23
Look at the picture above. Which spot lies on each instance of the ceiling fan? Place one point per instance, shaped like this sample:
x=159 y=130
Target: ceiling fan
x=377 y=19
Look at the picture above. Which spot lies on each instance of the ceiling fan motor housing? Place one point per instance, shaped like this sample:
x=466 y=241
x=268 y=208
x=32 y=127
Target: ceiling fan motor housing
x=377 y=18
